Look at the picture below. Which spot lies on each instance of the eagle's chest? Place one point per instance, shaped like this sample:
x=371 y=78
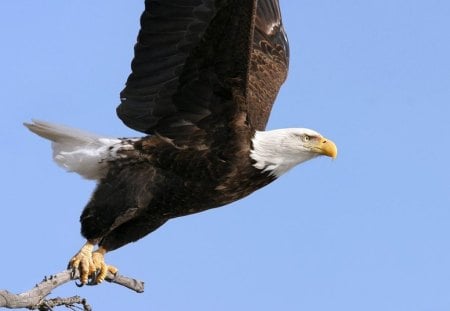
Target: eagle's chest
x=241 y=182
x=192 y=181
x=194 y=196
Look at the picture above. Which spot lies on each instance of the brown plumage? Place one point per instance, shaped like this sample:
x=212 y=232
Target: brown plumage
x=205 y=75
x=204 y=78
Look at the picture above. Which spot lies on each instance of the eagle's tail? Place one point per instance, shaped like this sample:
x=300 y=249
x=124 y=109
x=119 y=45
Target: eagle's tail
x=78 y=151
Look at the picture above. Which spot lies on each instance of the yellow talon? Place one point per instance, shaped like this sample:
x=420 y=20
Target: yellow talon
x=102 y=269
x=82 y=262
x=91 y=264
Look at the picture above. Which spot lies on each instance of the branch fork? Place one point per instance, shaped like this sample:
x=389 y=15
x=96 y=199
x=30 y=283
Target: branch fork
x=35 y=298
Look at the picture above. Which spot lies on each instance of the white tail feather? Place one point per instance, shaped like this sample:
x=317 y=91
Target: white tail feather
x=78 y=151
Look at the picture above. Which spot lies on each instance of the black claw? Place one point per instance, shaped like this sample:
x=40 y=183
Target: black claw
x=79 y=284
x=93 y=278
x=72 y=272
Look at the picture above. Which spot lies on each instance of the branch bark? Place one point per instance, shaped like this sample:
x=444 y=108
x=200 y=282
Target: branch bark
x=35 y=297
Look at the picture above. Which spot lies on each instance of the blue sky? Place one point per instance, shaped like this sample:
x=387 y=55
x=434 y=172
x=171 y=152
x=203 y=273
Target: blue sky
x=368 y=231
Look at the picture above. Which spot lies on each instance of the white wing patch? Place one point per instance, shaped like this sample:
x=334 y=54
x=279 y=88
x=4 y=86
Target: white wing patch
x=81 y=152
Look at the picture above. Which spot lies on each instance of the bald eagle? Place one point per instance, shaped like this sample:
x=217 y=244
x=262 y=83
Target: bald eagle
x=204 y=77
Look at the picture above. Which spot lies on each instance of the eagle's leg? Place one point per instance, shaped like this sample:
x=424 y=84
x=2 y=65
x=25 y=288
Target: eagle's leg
x=91 y=264
x=101 y=268
x=82 y=261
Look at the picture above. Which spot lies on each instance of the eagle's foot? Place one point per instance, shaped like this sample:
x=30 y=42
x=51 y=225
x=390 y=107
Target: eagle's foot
x=100 y=267
x=91 y=265
x=82 y=262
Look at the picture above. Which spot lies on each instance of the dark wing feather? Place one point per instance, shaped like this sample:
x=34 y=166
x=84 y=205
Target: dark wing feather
x=192 y=62
x=269 y=62
x=169 y=32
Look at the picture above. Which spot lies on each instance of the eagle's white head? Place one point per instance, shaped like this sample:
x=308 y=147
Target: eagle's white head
x=278 y=151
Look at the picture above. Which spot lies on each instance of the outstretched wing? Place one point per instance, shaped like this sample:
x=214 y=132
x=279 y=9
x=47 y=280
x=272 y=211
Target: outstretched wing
x=194 y=58
x=269 y=62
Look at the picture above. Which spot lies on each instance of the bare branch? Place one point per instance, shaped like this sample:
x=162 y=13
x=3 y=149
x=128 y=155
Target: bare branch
x=35 y=297
x=70 y=302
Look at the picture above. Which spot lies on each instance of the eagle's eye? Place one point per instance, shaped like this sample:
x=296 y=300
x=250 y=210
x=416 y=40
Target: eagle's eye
x=306 y=138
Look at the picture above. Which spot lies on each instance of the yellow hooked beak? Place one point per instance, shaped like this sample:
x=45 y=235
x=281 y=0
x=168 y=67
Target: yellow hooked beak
x=326 y=147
